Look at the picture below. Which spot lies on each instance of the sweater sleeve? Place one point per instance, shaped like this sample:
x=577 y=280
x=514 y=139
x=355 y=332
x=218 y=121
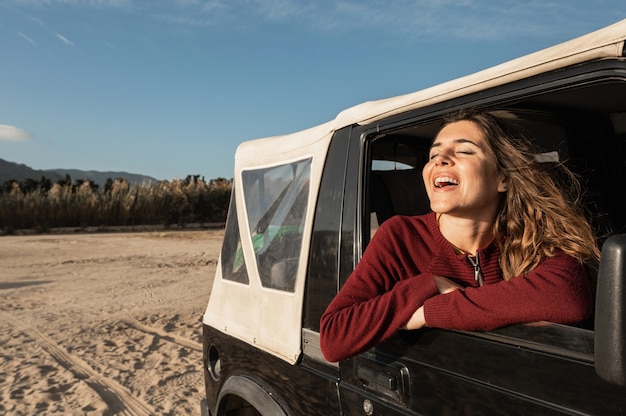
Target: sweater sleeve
x=558 y=290
x=378 y=298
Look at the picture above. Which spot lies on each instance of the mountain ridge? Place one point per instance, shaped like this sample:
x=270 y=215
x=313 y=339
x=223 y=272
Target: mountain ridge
x=20 y=172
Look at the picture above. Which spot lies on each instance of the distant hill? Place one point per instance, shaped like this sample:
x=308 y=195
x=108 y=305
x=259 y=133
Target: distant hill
x=21 y=172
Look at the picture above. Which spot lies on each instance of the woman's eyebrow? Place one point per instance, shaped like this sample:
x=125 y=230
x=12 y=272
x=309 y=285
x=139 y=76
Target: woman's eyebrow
x=459 y=141
x=465 y=141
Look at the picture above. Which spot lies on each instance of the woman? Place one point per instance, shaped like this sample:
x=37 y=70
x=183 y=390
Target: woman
x=503 y=245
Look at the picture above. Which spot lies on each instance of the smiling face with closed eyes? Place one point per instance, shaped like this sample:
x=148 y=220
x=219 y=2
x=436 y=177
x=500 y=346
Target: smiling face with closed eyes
x=461 y=176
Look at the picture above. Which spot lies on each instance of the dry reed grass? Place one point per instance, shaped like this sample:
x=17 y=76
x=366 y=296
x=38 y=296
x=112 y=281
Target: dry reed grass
x=80 y=204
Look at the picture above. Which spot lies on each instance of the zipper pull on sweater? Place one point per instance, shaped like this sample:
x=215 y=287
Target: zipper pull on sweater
x=478 y=274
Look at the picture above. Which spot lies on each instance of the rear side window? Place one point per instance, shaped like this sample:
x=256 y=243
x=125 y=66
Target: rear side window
x=233 y=262
x=276 y=201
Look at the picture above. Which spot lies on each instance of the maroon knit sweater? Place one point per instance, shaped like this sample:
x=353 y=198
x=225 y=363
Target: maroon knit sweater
x=395 y=277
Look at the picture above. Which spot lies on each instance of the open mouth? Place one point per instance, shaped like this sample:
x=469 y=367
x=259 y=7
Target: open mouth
x=444 y=181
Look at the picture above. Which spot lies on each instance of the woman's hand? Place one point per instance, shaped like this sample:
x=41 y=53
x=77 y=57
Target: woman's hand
x=445 y=285
x=417 y=320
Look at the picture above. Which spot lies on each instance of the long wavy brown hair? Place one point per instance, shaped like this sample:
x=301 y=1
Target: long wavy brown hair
x=537 y=218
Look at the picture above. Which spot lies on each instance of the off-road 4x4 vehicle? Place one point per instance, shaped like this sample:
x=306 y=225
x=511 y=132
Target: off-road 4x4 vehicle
x=304 y=207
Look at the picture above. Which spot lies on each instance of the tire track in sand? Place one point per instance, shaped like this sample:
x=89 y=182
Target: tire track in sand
x=162 y=334
x=117 y=397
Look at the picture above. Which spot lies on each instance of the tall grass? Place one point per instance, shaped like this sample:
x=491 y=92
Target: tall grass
x=42 y=205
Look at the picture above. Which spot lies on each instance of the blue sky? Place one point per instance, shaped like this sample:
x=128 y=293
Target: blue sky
x=170 y=88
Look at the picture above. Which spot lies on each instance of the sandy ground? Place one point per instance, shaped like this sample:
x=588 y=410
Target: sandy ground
x=104 y=324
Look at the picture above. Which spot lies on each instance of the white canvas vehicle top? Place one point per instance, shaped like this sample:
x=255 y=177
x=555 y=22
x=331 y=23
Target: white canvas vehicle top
x=266 y=311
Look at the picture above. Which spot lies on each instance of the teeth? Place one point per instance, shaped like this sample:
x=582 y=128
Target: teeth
x=445 y=180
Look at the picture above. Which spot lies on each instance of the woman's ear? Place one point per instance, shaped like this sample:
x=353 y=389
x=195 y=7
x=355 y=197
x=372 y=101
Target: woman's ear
x=502 y=185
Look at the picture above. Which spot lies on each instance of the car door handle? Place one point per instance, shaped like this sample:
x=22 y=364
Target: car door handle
x=378 y=377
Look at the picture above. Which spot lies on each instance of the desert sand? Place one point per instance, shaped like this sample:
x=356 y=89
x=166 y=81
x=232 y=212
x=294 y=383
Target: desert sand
x=104 y=323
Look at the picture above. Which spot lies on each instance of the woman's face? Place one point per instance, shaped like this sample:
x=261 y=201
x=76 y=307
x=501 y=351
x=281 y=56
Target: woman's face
x=461 y=176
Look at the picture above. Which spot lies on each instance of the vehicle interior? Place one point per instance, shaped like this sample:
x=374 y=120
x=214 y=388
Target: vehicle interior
x=582 y=128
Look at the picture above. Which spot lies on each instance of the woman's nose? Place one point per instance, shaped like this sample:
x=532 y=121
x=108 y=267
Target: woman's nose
x=442 y=160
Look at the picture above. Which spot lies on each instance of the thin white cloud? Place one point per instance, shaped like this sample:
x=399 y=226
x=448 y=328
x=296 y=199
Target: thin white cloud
x=110 y=45
x=451 y=19
x=23 y=36
x=36 y=20
x=288 y=9
x=65 y=40
x=440 y=19
x=96 y=3
x=212 y=5
x=422 y=20
x=189 y=2
x=13 y=134
x=410 y=19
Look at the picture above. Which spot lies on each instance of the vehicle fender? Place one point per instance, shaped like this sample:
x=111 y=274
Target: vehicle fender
x=252 y=392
